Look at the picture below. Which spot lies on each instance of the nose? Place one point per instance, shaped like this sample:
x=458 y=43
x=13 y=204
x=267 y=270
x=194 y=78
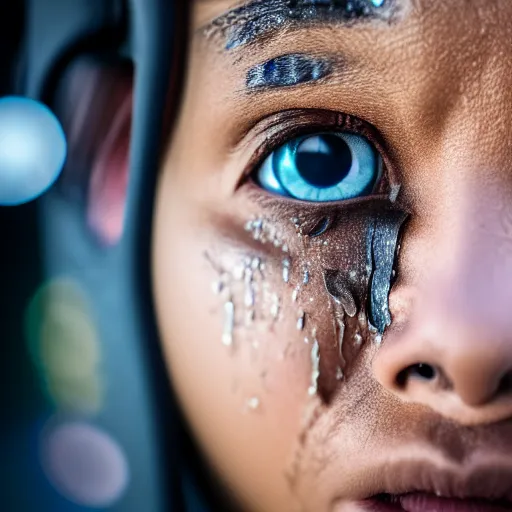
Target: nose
x=452 y=349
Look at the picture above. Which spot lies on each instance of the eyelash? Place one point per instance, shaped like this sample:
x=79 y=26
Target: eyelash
x=287 y=125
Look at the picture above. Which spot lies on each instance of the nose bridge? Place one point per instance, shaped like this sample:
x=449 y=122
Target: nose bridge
x=471 y=275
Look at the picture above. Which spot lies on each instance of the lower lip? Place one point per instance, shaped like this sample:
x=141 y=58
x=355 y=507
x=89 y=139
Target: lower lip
x=429 y=503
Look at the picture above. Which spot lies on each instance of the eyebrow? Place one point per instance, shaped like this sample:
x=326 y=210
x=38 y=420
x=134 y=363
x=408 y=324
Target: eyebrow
x=258 y=19
x=288 y=71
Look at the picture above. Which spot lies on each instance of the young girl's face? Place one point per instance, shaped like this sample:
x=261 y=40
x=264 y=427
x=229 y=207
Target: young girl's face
x=333 y=252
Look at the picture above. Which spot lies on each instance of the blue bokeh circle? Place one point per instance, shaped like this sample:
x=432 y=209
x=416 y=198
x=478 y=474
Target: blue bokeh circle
x=33 y=150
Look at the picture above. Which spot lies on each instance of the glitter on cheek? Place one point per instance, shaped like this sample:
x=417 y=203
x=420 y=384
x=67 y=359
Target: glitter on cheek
x=305 y=279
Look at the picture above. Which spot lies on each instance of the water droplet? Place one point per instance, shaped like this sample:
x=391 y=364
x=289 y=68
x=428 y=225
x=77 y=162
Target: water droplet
x=229 y=323
x=217 y=287
x=253 y=403
x=249 y=296
x=275 y=307
x=315 y=368
x=301 y=321
x=238 y=272
x=286 y=270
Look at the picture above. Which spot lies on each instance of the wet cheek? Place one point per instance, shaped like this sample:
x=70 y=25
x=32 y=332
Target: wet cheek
x=279 y=304
x=229 y=320
x=261 y=311
x=292 y=300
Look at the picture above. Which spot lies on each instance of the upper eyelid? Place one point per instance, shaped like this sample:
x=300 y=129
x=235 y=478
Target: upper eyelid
x=290 y=124
x=286 y=125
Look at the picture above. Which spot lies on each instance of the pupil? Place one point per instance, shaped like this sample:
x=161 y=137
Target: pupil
x=325 y=169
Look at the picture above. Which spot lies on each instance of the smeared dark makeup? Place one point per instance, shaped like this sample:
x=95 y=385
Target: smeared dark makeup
x=262 y=17
x=383 y=239
x=288 y=70
x=337 y=286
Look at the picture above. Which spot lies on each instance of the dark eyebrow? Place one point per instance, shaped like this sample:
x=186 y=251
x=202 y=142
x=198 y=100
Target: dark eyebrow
x=260 y=18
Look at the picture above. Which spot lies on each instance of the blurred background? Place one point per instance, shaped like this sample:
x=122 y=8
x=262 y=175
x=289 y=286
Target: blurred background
x=87 y=420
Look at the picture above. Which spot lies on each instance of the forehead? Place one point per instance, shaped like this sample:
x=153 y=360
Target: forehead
x=440 y=45
x=422 y=19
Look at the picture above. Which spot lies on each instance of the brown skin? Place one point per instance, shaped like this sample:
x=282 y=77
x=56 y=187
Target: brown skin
x=437 y=88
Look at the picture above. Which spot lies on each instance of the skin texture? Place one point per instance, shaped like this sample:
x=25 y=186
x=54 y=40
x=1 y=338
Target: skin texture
x=434 y=91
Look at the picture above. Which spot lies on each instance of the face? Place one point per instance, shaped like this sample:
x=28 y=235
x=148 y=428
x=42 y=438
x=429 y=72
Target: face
x=332 y=252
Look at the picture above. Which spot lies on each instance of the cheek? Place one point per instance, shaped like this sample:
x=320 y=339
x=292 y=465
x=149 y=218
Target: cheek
x=242 y=388
x=262 y=325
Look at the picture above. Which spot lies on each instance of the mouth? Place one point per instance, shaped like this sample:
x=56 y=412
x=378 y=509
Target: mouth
x=427 y=502
x=421 y=487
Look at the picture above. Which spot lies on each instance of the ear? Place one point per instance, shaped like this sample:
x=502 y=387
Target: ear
x=94 y=100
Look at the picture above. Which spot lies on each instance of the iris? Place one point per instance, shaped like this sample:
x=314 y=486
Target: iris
x=322 y=167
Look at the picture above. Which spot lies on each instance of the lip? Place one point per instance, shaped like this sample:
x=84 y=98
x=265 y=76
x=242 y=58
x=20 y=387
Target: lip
x=421 y=502
x=422 y=486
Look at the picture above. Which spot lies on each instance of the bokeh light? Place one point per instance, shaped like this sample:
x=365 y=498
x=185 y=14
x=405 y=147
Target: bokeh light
x=32 y=149
x=84 y=464
x=64 y=345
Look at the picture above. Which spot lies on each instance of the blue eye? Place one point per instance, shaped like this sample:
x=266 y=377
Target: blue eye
x=322 y=167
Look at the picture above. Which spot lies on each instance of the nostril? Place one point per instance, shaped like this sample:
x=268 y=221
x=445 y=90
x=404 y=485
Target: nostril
x=421 y=371
x=505 y=386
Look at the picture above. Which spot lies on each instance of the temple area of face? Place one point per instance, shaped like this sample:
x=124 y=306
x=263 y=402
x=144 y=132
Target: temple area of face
x=258 y=19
